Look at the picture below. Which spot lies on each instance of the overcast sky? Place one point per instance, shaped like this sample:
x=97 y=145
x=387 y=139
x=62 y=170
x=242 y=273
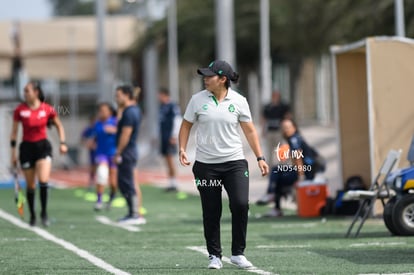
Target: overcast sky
x=24 y=9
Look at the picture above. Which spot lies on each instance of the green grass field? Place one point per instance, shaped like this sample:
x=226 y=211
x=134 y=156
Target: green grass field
x=281 y=246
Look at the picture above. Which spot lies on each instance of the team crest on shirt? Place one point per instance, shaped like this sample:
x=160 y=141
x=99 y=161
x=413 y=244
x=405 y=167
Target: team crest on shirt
x=25 y=113
x=41 y=114
x=205 y=107
x=232 y=108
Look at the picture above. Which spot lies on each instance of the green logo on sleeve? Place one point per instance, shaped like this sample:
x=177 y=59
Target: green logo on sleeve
x=231 y=108
x=205 y=107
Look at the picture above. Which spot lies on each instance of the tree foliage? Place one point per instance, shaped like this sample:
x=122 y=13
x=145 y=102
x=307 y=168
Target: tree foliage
x=72 y=7
x=299 y=28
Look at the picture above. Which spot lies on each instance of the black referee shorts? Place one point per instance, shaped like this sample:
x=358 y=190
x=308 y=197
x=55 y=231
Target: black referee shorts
x=31 y=152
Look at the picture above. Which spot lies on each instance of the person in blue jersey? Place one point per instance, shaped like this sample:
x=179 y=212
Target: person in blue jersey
x=105 y=138
x=127 y=152
x=88 y=141
x=170 y=120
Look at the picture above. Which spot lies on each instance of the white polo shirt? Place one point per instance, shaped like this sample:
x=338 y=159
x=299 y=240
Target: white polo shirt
x=218 y=135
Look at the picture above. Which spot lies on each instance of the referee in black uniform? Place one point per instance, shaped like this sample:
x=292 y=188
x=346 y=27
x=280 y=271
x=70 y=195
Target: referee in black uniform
x=220 y=162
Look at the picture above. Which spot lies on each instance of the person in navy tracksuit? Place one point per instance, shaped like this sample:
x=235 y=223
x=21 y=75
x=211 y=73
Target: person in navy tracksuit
x=126 y=154
x=169 y=120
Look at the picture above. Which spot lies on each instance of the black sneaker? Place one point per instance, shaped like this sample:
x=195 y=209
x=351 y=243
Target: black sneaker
x=32 y=221
x=45 y=220
x=171 y=189
x=132 y=220
x=265 y=199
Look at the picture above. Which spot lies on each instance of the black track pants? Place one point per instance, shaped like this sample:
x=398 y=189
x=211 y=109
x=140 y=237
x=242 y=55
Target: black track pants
x=234 y=177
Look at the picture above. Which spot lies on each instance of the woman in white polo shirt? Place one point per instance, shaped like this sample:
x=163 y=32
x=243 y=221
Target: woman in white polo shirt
x=218 y=111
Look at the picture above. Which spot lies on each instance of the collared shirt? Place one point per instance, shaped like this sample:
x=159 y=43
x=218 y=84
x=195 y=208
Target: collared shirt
x=218 y=134
x=34 y=121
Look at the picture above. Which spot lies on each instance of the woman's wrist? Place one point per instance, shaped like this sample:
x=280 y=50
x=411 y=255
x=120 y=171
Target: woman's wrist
x=259 y=158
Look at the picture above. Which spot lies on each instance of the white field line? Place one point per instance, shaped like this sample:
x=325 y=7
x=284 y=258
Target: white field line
x=57 y=184
x=18 y=239
x=253 y=269
x=294 y=225
x=66 y=245
x=377 y=244
x=284 y=246
x=107 y=221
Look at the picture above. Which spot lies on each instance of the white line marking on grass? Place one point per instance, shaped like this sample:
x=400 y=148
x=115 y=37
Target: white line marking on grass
x=17 y=239
x=377 y=244
x=60 y=185
x=66 y=245
x=107 y=221
x=285 y=246
x=253 y=269
x=294 y=225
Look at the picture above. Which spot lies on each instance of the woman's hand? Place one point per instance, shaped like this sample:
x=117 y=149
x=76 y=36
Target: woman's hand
x=117 y=158
x=183 y=158
x=264 y=168
x=182 y=141
x=63 y=149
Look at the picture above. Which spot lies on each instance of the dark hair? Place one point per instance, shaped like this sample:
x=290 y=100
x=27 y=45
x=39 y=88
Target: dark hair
x=164 y=91
x=293 y=123
x=234 y=77
x=126 y=90
x=37 y=87
x=110 y=106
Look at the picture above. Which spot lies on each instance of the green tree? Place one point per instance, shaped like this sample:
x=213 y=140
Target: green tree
x=72 y=7
x=299 y=28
